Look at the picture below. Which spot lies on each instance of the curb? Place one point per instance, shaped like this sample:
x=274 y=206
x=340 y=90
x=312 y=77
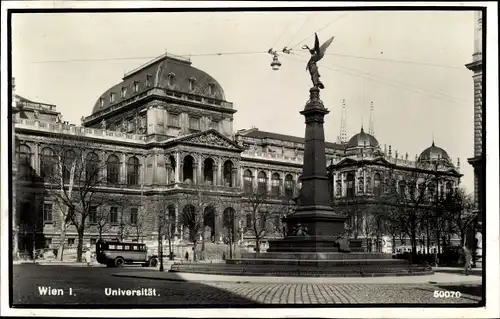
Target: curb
x=245 y=280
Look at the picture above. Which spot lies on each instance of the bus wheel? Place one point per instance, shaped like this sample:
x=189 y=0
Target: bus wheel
x=119 y=262
x=153 y=262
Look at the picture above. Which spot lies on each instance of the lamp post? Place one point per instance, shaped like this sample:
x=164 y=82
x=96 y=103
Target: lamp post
x=160 y=240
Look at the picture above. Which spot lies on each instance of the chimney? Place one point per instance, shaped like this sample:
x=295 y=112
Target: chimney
x=390 y=151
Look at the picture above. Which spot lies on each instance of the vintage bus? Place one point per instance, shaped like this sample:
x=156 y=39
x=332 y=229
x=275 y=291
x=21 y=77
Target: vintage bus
x=117 y=254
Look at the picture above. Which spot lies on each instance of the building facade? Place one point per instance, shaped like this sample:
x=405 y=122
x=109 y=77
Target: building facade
x=478 y=160
x=165 y=133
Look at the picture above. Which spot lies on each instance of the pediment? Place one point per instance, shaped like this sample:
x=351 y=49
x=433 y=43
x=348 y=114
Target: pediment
x=380 y=160
x=211 y=138
x=346 y=161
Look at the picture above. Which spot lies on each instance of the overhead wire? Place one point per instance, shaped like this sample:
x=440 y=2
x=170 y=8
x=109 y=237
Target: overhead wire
x=387 y=82
x=301 y=27
x=282 y=33
x=326 y=26
x=400 y=83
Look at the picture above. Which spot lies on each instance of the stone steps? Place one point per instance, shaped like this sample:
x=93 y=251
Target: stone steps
x=317 y=263
x=288 y=270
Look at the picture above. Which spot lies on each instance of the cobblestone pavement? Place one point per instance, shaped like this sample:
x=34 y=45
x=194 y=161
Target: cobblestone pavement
x=347 y=293
x=89 y=288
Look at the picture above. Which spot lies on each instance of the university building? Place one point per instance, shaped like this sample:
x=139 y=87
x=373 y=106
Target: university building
x=166 y=132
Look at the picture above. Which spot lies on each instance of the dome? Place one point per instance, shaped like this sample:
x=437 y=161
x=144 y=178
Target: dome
x=362 y=139
x=433 y=153
x=166 y=71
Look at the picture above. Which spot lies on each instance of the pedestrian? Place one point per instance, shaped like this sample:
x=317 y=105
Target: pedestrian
x=467 y=259
x=187 y=256
x=88 y=256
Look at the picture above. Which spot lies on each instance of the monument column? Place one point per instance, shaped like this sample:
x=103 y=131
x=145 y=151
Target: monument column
x=314 y=227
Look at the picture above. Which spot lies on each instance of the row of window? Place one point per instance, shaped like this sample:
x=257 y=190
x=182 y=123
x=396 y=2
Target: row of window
x=148 y=83
x=378 y=188
x=289 y=183
x=110 y=216
x=92 y=166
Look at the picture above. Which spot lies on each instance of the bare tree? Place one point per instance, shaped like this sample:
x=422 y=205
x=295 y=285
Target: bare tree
x=193 y=215
x=410 y=193
x=231 y=216
x=101 y=220
x=462 y=215
x=257 y=206
x=73 y=172
x=163 y=210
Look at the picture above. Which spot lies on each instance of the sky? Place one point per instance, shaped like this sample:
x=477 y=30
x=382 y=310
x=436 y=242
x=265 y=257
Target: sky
x=410 y=64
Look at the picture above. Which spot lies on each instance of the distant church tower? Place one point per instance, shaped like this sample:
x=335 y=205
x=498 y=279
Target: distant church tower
x=371 y=125
x=343 y=125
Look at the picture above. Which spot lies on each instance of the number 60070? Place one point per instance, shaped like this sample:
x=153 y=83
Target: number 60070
x=446 y=294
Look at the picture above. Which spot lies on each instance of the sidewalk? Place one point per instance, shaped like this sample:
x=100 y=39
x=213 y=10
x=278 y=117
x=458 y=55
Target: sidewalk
x=437 y=278
x=458 y=270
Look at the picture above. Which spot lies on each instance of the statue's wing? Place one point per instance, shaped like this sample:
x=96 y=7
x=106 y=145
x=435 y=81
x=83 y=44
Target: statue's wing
x=324 y=46
x=316 y=44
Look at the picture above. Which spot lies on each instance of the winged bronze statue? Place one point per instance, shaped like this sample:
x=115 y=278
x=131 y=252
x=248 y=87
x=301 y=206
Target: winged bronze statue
x=317 y=53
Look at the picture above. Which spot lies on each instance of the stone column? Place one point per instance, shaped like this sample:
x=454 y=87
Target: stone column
x=214 y=173
x=36 y=158
x=234 y=173
x=168 y=168
x=255 y=179
x=219 y=173
x=123 y=169
x=177 y=167
x=176 y=219
x=195 y=173
x=268 y=181
x=200 y=178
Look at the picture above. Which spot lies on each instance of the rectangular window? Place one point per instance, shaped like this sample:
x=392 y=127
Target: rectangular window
x=194 y=123
x=148 y=80
x=173 y=120
x=71 y=241
x=48 y=242
x=124 y=92
x=93 y=214
x=111 y=97
x=136 y=86
x=47 y=213
x=93 y=241
x=134 y=212
x=113 y=215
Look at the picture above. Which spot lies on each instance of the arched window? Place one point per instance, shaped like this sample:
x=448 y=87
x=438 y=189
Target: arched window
x=275 y=184
x=248 y=182
x=47 y=162
x=24 y=162
x=133 y=171
x=376 y=185
x=350 y=185
x=68 y=163
x=262 y=183
x=92 y=168
x=228 y=173
x=289 y=185
x=187 y=169
x=113 y=168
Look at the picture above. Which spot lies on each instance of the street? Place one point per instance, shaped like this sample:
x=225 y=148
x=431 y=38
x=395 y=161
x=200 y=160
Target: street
x=70 y=285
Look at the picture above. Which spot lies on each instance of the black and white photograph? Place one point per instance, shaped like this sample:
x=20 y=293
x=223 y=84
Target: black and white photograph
x=266 y=159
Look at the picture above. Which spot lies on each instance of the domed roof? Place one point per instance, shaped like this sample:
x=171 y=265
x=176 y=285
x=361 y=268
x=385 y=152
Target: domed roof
x=362 y=139
x=166 y=71
x=433 y=153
